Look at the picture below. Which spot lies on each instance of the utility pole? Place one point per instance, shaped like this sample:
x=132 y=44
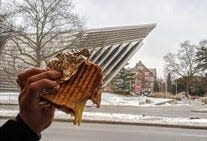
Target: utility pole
x=130 y=85
x=176 y=87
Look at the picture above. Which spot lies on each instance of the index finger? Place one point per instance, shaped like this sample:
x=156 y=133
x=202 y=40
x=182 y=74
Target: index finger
x=23 y=76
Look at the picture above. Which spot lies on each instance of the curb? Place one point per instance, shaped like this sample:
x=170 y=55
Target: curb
x=137 y=124
x=204 y=110
x=151 y=124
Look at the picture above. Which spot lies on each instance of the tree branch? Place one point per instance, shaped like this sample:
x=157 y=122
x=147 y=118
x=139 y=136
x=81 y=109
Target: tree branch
x=17 y=57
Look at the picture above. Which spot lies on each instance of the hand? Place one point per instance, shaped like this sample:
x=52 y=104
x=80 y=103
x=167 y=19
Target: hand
x=33 y=82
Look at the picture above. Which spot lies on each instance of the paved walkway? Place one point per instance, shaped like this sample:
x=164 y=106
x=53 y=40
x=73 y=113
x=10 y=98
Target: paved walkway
x=199 y=111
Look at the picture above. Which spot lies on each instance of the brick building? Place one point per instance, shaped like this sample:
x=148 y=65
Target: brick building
x=144 y=78
x=135 y=80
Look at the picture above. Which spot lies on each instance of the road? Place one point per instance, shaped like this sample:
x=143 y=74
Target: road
x=161 y=111
x=103 y=132
x=62 y=131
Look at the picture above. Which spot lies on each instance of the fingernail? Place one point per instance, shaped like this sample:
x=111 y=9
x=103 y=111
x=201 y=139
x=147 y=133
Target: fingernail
x=57 y=87
x=42 y=102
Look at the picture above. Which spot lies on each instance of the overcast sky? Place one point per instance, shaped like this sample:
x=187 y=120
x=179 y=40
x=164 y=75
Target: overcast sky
x=177 y=21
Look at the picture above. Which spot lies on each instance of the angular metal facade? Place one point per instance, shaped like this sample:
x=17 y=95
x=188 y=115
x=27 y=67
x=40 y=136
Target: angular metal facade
x=111 y=48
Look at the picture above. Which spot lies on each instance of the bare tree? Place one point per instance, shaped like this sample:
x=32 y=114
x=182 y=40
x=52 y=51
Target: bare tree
x=183 y=63
x=41 y=29
x=201 y=55
x=2 y=39
x=5 y=28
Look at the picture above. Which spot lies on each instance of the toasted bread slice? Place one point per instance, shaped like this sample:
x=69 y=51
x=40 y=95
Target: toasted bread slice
x=84 y=84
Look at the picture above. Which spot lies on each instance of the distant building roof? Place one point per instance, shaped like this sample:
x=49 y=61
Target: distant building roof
x=100 y=37
x=141 y=66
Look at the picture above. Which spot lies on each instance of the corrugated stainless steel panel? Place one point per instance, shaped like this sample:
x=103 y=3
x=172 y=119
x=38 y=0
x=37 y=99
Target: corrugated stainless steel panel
x=100 y=37
x=103 y=54
x=95 y=52
x=109 y=52
x=115 y=69
x=112 y=55
x=120 y=28
x=112 y=58
x=116 y=59
x=95 y=38
x=98 y=54
x=111 y=48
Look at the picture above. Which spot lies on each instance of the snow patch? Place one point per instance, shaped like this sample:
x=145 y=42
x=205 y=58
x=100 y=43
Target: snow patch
x=117 y=117
x=107 y=99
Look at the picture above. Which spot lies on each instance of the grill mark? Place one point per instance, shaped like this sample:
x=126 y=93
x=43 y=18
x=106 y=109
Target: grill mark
x=79 y=83
x=90 y=81
x=58 y=95
x=95 y=92
x=56 y=66
x=71 y=85
x=98 y=76
x=69 y=94
x=83 y=80
x=63 y=94
x=82 y=86
x=63 y=89
x=96 y=84
x=80 y=93
x=74 y=83
x=67 y=88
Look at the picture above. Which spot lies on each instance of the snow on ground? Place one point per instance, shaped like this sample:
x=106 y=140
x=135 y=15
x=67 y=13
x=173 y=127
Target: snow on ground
x=143 y=100
x=108 y=99
x=118 y=100
x=126 y=118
